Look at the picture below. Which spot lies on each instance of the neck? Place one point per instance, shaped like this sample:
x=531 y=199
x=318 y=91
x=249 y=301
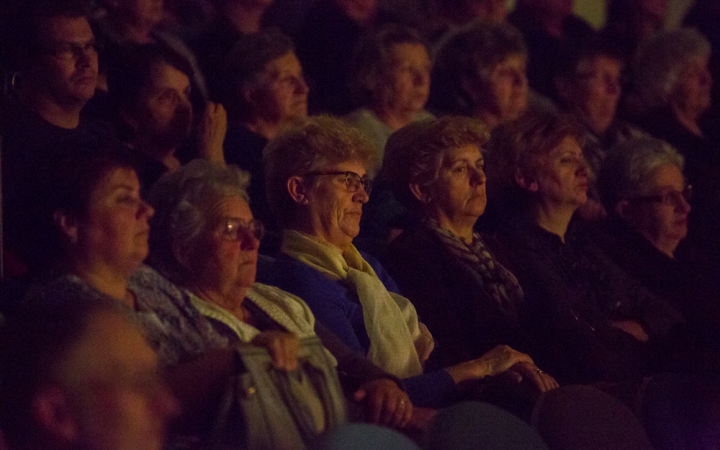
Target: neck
x=105 y=279
x=460 y=227
x=552 y=218
x=263 y=127
x=393 y=118
x=229 y=298
x=689 y=119
x=490 y=120
x=63 y=116
x=245 y=18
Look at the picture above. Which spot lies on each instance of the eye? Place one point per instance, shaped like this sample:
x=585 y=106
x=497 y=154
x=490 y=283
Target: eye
x=460 y=169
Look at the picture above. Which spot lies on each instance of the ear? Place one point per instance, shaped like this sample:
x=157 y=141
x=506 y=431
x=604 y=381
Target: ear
x=52 y=413
x=623 y=209
x=67 y=225
x=297 y=190
x=526 y=182
x=420 y=193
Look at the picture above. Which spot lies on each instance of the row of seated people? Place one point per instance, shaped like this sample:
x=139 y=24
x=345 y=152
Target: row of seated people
x=155 y=109
x=564 y=305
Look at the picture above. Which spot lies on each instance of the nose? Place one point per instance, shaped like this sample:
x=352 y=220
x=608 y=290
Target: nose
x=145 y=209
x=520 y=79
x=361 y=195
x=612 y=86
x=248 y=241
x=301 y=87
x=477 y=176
x=683 y=205
x=421 y=78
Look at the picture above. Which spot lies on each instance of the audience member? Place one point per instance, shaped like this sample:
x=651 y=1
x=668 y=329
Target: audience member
x=235 y=19
x=80 y=375
x=56 y=54
x=671 y=72
x=264 y=88
x=391 y=77
x=325 y=45
x=480 y=72
x=592 y=321
x=645 y=193
x=630 y=22
x=317 y=184
x=546 y=25
x=205 y=240
x=151 y=92
x=588 y=84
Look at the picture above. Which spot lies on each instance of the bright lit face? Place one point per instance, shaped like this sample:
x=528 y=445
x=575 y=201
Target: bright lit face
x=663 y=223
x=458 y=195
x=66 y=69
x=596 y=91
x=163 y=114
x=116 y=397
x=334 y=211
x=115 y=231
x=283 y=93
x=406 y=84
x=561 y=177
x=493 y=11
x=506 y=94
x=228 y=263
x=692 y=92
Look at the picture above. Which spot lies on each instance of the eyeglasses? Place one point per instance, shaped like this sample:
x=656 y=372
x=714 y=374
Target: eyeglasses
x=69 y=51
x=669 y=198
x=234 y=229
x=352 y=180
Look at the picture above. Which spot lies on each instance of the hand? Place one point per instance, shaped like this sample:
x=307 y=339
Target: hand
x=492 y=363
x=424 y=344
x=537 y=377
x=211 y=132
x=632 y=328
x=282 y=346
x=385 y=403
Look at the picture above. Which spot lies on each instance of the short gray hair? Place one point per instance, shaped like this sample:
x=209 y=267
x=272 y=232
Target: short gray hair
x=660 y=60
x=471 y=53
x=183 y=202
x=414 y=153
x=629 y=166
x=307 y=144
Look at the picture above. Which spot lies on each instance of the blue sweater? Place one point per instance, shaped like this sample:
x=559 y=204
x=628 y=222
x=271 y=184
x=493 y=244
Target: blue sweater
x=338 y=308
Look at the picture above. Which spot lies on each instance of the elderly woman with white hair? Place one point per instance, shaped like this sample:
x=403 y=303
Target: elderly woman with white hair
x=647 y=197
x=672 y=74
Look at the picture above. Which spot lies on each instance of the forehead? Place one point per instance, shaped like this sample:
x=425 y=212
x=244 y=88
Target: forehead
x=65 y=29
x=119 y=177
x=408 y=50
x=469 y=152
x=233 y=206
x=599 y=63
x=666 y=175
x=164 y=75
x=347 y=166
x=286 y=63
x=109 y=346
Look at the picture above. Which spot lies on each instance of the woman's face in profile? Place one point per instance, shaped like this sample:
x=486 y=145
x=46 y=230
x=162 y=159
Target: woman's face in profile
x=115 y=230
x=692 y=91
x=506 y=92
x=561 y=176
x=459 y=191
x=405 y=85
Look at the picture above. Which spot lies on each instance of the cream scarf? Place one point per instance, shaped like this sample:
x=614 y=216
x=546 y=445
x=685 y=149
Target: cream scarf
x=391 y=321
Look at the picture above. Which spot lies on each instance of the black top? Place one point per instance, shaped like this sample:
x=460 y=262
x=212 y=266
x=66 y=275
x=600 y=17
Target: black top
x=573 y=292
x=465 y=322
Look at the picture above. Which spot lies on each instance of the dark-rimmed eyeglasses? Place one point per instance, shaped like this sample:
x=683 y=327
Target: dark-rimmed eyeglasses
x=234 y=229
x=69 y=51
x=352 y=180
x=669 y=198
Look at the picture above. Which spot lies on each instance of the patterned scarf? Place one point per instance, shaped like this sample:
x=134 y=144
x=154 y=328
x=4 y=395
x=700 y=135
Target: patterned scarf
x=498 y=282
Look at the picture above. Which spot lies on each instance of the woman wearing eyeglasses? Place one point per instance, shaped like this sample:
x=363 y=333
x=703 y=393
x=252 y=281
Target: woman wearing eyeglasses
x=317 y=175
x=645 y=192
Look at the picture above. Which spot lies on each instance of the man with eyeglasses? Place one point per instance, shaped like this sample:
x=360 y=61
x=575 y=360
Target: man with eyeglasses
x=56 y=58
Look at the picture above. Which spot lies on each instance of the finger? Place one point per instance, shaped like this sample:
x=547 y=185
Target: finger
x=375 y=403
x=407 y=417
x=390 y=406
x=291 y=352
x=359 y=395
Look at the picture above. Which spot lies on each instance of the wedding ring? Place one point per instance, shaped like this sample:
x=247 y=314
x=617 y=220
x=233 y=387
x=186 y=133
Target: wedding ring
x=538 y=371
